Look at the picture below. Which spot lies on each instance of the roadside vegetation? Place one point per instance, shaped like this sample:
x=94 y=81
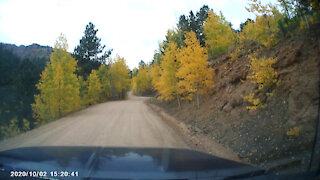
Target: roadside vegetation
x=68 y=82
x=255 y=89
x=181 y=67
x=62 y=91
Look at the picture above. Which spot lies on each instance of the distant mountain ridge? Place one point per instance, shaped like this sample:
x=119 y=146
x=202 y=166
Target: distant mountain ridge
x=33 y=51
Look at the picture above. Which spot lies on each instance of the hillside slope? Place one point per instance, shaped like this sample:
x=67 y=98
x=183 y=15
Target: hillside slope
x=20 y=69
x=285 y=127
x=32 y=51
x=36 y=53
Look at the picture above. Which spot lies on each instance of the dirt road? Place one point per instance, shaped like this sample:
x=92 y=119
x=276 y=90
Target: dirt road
x=129 y=123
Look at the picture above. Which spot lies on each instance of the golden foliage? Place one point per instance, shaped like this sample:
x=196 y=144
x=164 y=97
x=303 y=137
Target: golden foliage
x=119 y=77
x=11 y=129
x=219 y=35
x=83 y=91
x=265 y=27
x=26 y=125
x=263 y=73
x=104 y=79
x=134 y=85
x=257 y=7
x=235 y=53
x=195 y=75
x=94 y=88
x=168 y=81
x=61 y=43
x=62 y=92
x=155 y=73
x=141 y=83
x=58 y=86
x=295 y=131
x=256 y=104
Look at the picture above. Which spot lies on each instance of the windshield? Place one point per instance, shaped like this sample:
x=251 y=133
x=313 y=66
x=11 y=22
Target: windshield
x=238 y=80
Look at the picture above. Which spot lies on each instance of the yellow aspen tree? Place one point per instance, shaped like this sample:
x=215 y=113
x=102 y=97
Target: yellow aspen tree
x=263 y=73
x=70 y=86
x=83 y=91
x=134 y=85
x=219 y=35
x=168 y=82
x=194 y=72
x=155 y=73
x=119 y=77
x=143 y=81
x=265 y=27
x=94 y=88
x=103 y=75
x=58 y=86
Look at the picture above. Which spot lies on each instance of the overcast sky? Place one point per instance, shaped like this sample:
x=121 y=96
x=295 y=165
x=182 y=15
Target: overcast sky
x=132 y=28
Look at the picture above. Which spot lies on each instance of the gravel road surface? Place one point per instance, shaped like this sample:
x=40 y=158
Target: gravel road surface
x=126 y=123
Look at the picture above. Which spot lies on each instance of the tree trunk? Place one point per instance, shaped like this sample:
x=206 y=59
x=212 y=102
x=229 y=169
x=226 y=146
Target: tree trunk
x=111 y=89
x=198 y=103
x=178 y=99
x=307 y=22
x=286 y=8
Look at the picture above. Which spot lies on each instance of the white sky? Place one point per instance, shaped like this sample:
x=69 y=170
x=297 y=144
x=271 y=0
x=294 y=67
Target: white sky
x=132 y=28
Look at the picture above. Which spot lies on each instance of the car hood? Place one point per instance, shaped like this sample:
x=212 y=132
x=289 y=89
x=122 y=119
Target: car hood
x=122 y=163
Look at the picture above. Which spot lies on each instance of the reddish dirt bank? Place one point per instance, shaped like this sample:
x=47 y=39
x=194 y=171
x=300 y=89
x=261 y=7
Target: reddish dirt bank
x=260 y=136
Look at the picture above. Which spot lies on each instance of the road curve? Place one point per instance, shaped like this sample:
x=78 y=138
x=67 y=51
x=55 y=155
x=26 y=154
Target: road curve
x=126 y=123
